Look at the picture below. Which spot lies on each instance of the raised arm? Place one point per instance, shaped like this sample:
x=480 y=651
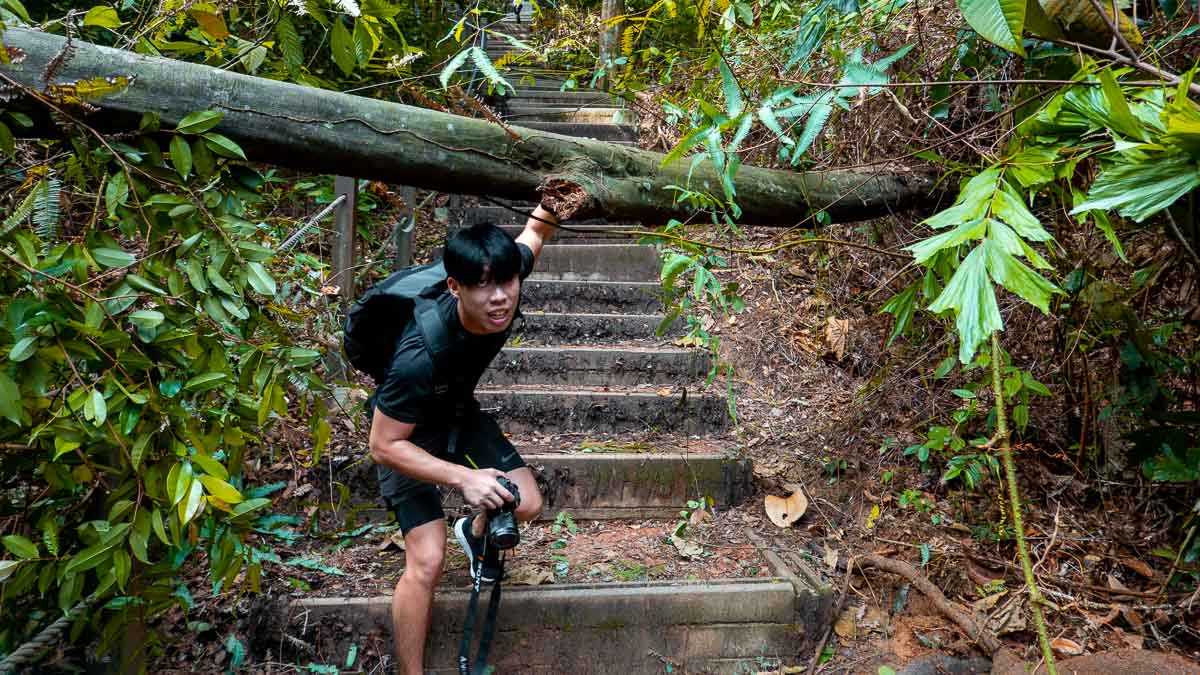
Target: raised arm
x=537 y=233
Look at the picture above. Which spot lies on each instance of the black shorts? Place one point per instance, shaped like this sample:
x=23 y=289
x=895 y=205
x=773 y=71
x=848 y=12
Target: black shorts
x=480 y=445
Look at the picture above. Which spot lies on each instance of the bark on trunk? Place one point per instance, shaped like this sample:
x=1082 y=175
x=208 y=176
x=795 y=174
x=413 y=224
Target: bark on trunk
x=327 y=132
x=610 y=39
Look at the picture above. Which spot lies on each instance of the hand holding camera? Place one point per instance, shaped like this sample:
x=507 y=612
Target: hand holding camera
x=481 y=489
x=502 y=522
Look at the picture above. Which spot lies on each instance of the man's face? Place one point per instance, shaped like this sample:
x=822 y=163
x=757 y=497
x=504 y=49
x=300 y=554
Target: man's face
x=487 y=307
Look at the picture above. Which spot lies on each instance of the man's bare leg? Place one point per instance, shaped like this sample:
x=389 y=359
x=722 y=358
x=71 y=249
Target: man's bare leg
x=412 y=601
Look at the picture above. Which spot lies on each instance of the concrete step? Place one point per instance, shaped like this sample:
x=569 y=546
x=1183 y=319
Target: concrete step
x=501 y=216
x=522 y=410
x=614 y=297
x=577 y=114
x=600 y=132
x=526 y=95
x=547 y=83
x=632 y=485
x=532 y=96
x=590 y=366
x=598 y=262
x=556 y=329
x=728 y=626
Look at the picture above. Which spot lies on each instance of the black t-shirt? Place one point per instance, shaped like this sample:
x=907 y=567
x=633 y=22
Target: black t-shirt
x=407 y=392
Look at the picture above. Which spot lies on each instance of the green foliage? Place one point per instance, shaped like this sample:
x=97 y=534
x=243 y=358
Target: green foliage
x=998 y=21
x=148 y=338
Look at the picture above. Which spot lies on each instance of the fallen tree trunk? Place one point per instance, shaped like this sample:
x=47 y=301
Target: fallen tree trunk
x=328 y=132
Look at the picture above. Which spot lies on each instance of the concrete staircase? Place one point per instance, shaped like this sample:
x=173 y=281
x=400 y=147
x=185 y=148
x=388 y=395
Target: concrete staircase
x=586 y=371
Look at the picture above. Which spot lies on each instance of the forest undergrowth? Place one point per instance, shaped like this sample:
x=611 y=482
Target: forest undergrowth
x=1058 y=271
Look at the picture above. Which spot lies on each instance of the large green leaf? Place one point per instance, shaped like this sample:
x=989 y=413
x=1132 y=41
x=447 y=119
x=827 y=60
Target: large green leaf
x=690 y=141
x=289 y=43
x=10 y=400
x=969 y=294
x=220 y=489
x=732 y=91
x=998 y=21
x=21 y=547
x=113 y=257
x=1120 y=117
x=23 y=349
x=341 y=43
x=1139 y=185
x=192 y=502
x=223 y=146
x=1016 y=277
x=199 y=122
x=926 y=248
x=260 y=280
x=1010 y=209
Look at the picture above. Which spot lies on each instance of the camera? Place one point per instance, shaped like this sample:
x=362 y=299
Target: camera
x=502 y=522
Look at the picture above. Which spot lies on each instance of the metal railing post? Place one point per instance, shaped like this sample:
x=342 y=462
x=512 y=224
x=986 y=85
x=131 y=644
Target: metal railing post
x=343 y=238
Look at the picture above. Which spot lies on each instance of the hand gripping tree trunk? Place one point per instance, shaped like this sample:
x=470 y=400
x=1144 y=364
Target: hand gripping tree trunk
x=328 y=132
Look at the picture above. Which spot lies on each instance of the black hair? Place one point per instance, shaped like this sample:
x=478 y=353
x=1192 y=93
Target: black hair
x=480 y=253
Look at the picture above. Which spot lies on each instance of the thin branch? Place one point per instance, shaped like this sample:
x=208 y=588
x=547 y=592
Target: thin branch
x=36 y=272
x=951 y=83
x=762 y=251
x=1179 y=235
x=1113 y=55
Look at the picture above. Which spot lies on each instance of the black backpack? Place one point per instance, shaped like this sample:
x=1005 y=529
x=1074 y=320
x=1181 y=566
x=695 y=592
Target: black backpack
x=377 y=319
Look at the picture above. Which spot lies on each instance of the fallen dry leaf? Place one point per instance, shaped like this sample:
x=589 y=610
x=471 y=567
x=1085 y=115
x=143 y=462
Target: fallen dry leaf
x=529 y=575
x=847 y=624
x=1131 y=640
x=875 y=620
x=395 y=539
x=1010 y=618
x=831 y=558
x=836 y=332
x=1098 y=621
x=1140 y=567
x=985 y=605
x=1066 y=647
x=785 y=511
x=687 y=549
x=699 y=516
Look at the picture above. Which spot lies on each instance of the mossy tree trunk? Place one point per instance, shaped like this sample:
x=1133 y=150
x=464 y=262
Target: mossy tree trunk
x=327 y=132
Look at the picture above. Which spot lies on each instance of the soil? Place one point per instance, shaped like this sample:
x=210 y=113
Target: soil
x=561 y=552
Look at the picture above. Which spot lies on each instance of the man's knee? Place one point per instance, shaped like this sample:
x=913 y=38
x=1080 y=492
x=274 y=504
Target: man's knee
x=531 y=505
x=424 y=555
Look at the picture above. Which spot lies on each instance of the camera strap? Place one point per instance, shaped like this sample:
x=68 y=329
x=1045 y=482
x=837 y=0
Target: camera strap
x=489 y=625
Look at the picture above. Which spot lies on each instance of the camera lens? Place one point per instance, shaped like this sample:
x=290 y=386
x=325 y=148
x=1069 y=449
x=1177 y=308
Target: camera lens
x=502 y=530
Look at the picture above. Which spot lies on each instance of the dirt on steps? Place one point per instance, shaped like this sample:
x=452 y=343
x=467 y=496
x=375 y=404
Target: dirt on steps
x=1115 y=662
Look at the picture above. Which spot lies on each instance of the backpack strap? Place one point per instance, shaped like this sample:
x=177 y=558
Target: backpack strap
x=437 y=344
x=433 y=330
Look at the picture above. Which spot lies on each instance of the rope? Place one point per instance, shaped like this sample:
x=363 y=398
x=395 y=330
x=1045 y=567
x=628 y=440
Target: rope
x=25 y=653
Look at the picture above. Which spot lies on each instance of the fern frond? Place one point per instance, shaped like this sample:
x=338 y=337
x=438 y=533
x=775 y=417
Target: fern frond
x=23 y=209
x=629 y=39
x=46 y=209
x=289 y=43
x=484 y=64
x=506 y=59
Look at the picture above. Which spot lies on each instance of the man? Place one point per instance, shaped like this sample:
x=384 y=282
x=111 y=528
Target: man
x=427 y=430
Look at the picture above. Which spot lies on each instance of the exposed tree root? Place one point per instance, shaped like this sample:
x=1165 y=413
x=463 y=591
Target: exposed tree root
x=983 y=637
